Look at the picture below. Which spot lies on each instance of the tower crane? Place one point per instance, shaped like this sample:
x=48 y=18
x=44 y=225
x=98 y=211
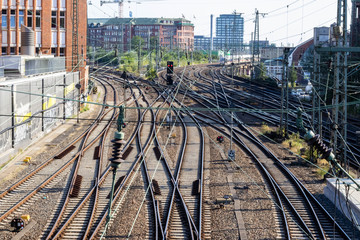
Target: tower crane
x=121 y=4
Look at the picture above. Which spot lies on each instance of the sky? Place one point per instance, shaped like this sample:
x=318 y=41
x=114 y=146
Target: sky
x=285 y=22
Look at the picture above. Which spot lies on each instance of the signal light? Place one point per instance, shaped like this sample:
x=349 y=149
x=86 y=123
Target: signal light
x=170 y=67
x=220 y=139
x=18 y=224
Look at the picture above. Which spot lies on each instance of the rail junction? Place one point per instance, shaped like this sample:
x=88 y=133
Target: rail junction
x=176 y=179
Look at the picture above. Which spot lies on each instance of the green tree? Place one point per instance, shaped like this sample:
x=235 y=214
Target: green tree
x=292 y=76
x=262 y=71
x=153 y=42
x=137 y=42
x=151 y=73
x=128 y=62
x=105 y=57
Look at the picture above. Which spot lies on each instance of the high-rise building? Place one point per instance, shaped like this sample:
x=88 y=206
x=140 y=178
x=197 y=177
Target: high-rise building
x=229 y=32
x=202 y=42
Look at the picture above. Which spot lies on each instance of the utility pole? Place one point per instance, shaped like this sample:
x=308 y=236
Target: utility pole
x=178 y=54
x=139 y=56
x=226 y=39
x=286 y=56
x=149 y=46
x=340 y=100
x=75 y=36
x=130 y=35
x=231 y=152
x=256 y=46
x=122 y=39
x=192 y=54
x=171 y=41
x=316 y=113
x=116 y=159
x=211 y=38
x=341 y=50
x=283 y=82
x=157 y=54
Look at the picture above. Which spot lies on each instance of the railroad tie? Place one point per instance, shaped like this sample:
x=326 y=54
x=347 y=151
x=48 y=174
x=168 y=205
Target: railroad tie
x=127 y=152
x=156 y=187
x=97 y=153
x=65 y=152
x=195 y=187
x=75 y=190
x=157 y=153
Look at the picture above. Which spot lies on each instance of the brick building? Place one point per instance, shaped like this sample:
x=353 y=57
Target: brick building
x=118 y=32
x=52 y=23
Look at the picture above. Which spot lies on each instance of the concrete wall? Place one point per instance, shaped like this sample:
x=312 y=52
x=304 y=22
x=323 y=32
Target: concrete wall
x=30 y=107
x=345 y=196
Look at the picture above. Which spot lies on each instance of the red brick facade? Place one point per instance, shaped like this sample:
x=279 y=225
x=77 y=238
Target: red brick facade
x=117 y=32
x=52 y=22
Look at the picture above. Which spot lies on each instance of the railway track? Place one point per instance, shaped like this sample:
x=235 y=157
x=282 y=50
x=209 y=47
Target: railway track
x=159 y=188
x=303 y=216
x=49 y=172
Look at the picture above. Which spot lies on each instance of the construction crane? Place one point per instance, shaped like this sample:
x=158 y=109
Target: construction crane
x=121 y=4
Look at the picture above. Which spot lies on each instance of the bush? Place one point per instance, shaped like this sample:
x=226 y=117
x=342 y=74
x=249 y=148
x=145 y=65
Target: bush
x=295 y=143
x=151 y=73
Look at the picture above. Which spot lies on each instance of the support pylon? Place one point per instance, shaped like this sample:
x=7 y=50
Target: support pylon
x=340 y=91
x=255 y=44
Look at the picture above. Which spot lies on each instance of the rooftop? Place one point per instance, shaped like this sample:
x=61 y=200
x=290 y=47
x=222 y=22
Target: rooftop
x=140 y=21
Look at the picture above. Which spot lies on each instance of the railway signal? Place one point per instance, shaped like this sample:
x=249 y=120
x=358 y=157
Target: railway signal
x=170 y=67
x=220 y=139
x=169 y=80
x=18 y=224
x=169 y=72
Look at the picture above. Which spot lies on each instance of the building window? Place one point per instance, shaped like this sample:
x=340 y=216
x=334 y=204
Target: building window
x=54 y=3
x=12 y=50
x=62 y=51
x=4 y=19
x=53 y=19
x=12 y=18
x=21 y=17
x=62 y=19
x=38 y=19
x=29 y=19
x=53 y=51
x=3 y=50
x=4 y=37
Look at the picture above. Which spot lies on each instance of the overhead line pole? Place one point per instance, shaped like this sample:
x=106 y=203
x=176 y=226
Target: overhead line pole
x=75 y=37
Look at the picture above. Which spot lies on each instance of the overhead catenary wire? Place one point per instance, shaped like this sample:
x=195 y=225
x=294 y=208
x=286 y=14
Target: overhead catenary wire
x=46 y=94
x=133 y=178
x=188 y=87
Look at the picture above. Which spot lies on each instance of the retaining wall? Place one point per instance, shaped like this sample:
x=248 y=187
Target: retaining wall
x=32 y=106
